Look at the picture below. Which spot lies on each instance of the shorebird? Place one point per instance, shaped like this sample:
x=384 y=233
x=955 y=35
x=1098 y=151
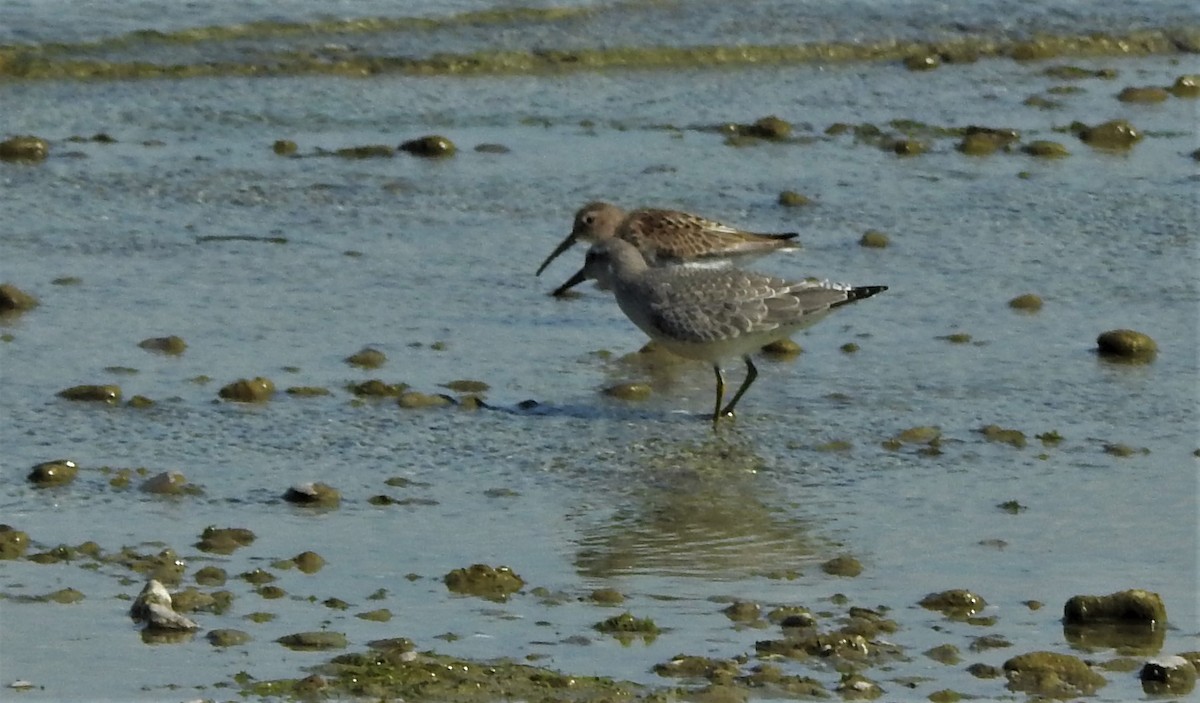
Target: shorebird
x=669 y=237
x=712 y=314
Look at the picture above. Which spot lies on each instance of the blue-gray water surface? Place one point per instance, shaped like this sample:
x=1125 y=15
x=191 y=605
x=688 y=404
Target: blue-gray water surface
x=281 y=267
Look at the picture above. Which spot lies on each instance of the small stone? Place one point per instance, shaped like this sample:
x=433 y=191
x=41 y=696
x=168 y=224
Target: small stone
x=770 y=128
x=1187 y=86
x=957 y=603
x=493 y=583
x=416 y=399
x=607 y=596
x=284 y=147
x=944 y=654
x=313 y=641
x=368 y=151
x=782 y=348
x=170 y=483
x=1143 y=94
x=313 y=494
x=227 y=637
x=367 y=358
x=1052 y=674
x=1046 y=149
x=1114 y=134
x=922 y=62
x=467 y=386
x=790 y=198
x=1168 y=676
x=224 y=540
x=309 y=562
x=844 y=565
x=628 y=391
x=742 y=611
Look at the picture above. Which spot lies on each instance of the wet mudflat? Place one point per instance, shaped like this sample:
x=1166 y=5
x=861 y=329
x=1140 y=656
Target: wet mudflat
x=208 y=298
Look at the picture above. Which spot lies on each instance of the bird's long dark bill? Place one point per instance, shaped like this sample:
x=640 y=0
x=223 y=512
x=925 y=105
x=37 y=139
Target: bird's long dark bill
x=573 y=281
x=562 y=246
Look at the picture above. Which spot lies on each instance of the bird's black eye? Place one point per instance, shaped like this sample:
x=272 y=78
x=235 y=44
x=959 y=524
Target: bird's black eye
x=589 y=219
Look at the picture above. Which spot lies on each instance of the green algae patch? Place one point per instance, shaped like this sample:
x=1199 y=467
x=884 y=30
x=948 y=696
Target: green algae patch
x=606 y=596
x=921 y=435
x=742 y=611
x=378 y=615
x=1045 y=149
x=1126 y=345
x=26 y=149
x=433 y=146
x=844 y=565
x=248 y=390
x=625 y=627
x=466 y=385
x=874 y=239
x=308 y=562
x=493 y=583
x=313 y=641
x=210 y=576
x=170 y=483
x=684 y=666
x=59 y=472
x=944 y=654
x=366 y=151
x=367 y=358
x=1002 y=435
x=790 y=198
x=171 y=345
x=1052 y=674
x=92 y=393
x=15 y=300
x=224 y=540
x=770 y=128
x=65 y=596
x=415 y=400
x=399 y=673
x=983 y=141
x=284 y=147
x=956 y=603
x=856 y=687
x=307 y=391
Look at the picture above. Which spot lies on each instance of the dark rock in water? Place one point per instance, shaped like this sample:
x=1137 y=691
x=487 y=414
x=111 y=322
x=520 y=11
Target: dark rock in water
x=284 y=147
x=1126 y=345
x=314 y=641
x=13 y=543
x=1045 y=149
x=956 y=603
x=172 y=345
x=1143 y=94
x=1131 y=606
x=13 y=299
x=314 y=494
x=1187 y=86
x=1168 y=676
x=1114 y=134
x=432 y=146
x=367 y=358
x=227 y=637
x=53 y=473
x=110 y=394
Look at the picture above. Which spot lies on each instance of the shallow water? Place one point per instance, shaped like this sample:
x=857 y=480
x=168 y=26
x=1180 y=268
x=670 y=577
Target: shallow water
x=432 y=263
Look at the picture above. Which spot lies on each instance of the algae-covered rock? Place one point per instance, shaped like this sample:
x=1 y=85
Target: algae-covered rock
x=694 y=667
x=172 y=345
x=313 y=641
x=1187 y=86
x=874 y=239
x=466 y=385
x=782 y=349
x=981 y=141
x=844 y=565
x=367 y=358
x=1114 y=134
x=742 y=611
x=432 y=146
x=93 y=393
x=377 y=615
x=13 y=543
x=284 y=147
x=309 y=562
x=770 y=128
x=211 y=576
x=252 y=390
x=15 y=300
x=224 y=540
x=24 y=149
x=226 y=637
x=367 y=151
x=494 y=583
x=856 y=687
x=996 y=433
x=1168 y=676
x=607 y=596
x=378 y=389
x=59 y=472
x=1052 y=674
x=905 y=146
x=1126 y=345
x=628 y=391
x=790 y=198
x=1134 y=606
x=944 y=654
x=314 y=494
x=1143 y=94
x=956 y=603
x=627 y=623
x=169 y=483
x=922 y=61
x=1029 y=302
x=1046 y=149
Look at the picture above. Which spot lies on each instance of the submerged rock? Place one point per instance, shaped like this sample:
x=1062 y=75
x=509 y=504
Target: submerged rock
x=416 y=399
x=956 y=603
x=628 y=391
x=874 y=239
x=313 y=494
x=1114 y=134
x=1143 y=94
x=790 y=198
x=313 y=641
x=53 y=473
x=224 y=540
x=1045 y=149
x=367 y=358
x=844 y=565
x=1187 y=86
x=169 y=483
x=1052 y=674
x=227 y=637
x=1029 y=302
x=284 y=147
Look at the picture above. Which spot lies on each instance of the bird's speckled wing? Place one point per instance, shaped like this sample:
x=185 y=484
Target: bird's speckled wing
x=666 y=236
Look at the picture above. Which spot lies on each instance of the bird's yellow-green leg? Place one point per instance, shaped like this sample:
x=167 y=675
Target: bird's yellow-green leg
x=751 y=374
x=720 y=394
